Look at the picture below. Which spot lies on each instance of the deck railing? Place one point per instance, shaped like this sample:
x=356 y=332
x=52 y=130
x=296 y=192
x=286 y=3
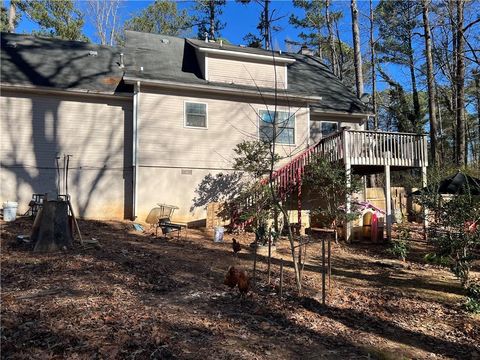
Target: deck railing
x=359 y=147
x=386 y=148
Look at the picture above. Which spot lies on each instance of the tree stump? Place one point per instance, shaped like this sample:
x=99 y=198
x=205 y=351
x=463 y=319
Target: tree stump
x=51 y=230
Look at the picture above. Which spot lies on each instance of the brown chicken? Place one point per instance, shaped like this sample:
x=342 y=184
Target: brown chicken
x=238 y=277
x=236 y=247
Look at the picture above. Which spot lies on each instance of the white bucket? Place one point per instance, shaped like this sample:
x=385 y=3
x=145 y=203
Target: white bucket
x=218 y=235
x=10 y=210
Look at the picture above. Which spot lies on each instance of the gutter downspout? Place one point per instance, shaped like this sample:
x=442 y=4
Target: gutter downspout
x=136 y=98
x=308 y=125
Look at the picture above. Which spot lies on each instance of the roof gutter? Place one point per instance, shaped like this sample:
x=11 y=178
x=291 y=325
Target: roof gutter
x=48 y=90
x=345 y=113
x=245 y=55
x=136 y=98
x=215 y=89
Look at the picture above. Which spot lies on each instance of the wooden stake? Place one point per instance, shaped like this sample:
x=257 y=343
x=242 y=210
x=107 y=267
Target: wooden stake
x=255 y=266
x=329 y=262
x=269 y=255
x=323 y=271
x=75 y=221
x=300 y=250
x=281 y=278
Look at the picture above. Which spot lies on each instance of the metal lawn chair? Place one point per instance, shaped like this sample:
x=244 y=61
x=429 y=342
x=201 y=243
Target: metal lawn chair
x=160 y=217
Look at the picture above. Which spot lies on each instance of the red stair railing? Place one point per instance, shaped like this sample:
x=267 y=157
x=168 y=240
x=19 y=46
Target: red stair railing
x=288 y=177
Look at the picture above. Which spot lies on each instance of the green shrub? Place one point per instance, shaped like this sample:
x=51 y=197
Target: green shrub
x=399 y=248
x=473 y=298
x=436 y=259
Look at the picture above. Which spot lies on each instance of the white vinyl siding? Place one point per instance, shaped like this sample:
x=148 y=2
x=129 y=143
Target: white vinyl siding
x=167 y=148
x=35 y=127
x=244 y=72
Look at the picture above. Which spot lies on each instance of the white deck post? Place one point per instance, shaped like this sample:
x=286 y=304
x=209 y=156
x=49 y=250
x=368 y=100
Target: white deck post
x=425 y=210
x=348 y=172
x=388 y=202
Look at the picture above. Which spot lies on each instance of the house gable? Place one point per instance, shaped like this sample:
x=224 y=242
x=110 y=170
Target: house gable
x=226 y=64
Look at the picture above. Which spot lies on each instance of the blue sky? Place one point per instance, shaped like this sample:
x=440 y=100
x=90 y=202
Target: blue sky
x=241 y=19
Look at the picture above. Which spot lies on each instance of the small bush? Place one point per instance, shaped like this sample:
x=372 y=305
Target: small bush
x=399 y=248
x=436 y=259
x=473 y=298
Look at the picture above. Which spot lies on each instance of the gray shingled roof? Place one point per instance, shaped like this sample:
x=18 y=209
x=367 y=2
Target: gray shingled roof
x=161 y=57
x=173 y=59
x=309 y=75
x=229 y=47
x=47 y=62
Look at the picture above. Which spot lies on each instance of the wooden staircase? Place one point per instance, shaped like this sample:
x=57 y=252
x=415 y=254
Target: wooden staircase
x=355 y=148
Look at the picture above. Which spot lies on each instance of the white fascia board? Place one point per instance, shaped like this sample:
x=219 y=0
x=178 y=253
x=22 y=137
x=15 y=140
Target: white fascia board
x=49 y=90
x=333 y=112
x=309 y=124
x=205 y=63
x=220 y=89
x=244 y=55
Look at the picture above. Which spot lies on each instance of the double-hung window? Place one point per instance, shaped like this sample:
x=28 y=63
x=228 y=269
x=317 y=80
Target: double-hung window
x=329 y=128
x=195 y=115
x=284 y=123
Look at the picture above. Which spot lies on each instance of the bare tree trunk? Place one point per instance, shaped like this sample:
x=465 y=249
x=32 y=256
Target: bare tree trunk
x=331 y=42
x=211 y=9
x=357 y=57
x=374 y=71
x=341 y=61
x=470 y=140
x=12 y=14
x=453 y=72
x=273 y=191
x=266 y=20
x=476 y=76
x=319 y=45
x=430 y=82
x=460 y=84
x=104 y=16
x=411 y=65
x=440 y=125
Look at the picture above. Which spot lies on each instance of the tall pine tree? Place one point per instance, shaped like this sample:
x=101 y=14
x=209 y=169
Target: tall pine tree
x=56 y=18
x=161 y=17
x=397 y=22
x=207 y=18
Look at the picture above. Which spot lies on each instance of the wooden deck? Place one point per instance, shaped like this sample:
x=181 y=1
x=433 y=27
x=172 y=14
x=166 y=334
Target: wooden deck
x=362 y=152
x=375 y=148
x=365 y=152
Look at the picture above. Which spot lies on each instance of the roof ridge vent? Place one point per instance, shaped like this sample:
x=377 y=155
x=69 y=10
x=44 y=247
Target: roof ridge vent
x=122 y=63
x=305 y=50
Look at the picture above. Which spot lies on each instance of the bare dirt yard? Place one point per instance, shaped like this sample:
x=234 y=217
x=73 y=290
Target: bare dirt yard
x=139 y=297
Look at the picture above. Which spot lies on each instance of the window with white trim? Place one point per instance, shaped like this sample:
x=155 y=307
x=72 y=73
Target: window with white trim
x=328 y=128
x=284 y=126
x=195 y=115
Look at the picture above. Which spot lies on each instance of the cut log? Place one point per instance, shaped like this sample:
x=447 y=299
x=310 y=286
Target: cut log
x=52 y=231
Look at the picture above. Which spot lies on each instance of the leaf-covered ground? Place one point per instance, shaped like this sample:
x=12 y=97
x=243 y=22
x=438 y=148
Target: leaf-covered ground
x=140 y=297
